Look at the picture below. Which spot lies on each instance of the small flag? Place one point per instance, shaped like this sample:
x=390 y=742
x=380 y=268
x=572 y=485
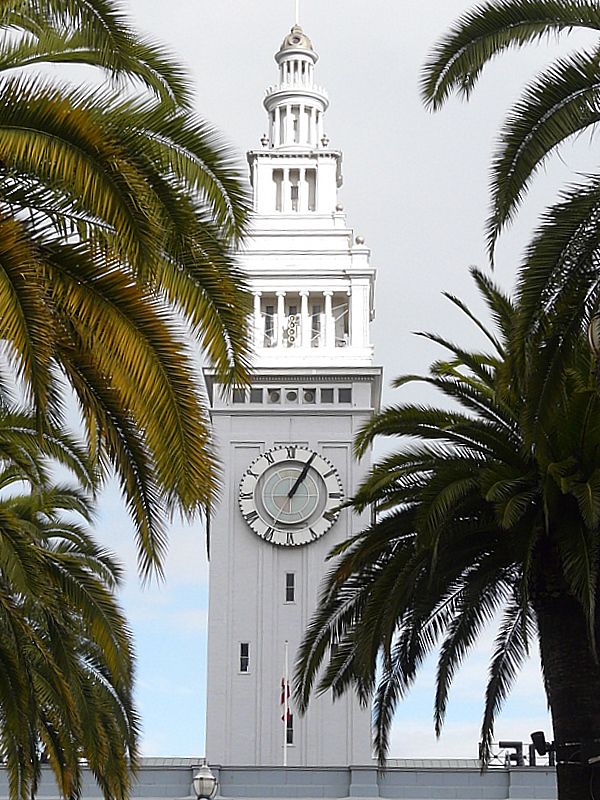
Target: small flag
x=283 y=698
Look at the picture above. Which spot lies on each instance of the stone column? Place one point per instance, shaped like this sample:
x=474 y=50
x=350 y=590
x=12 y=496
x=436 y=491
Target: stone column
x=288 y=125
x=258 y=326
x=277 y=132
x=305 y=329
x=280 y=318
x=302 y=126
x=349 y=320
x=286 y=201
x=302 y=191
x=329 y=321
x=359 y=315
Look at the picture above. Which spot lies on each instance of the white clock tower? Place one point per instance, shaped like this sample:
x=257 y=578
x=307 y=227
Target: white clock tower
x=286 y=441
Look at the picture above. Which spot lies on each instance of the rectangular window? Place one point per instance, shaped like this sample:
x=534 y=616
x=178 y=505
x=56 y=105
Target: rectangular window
x=256 y=394
x=316 y=326
x=294 y=198
x=239 y=396
x=282 y=124
x=345 y=395
x=327 y=395
x=295 y=189
x=290 y=587
x=244 y=656
x=289 y=731
x=311 y=185
x=269 y=326
x=341 y=316
x=278 y=181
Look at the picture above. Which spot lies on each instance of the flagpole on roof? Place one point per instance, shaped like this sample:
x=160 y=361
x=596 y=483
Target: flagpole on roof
x=285 y=700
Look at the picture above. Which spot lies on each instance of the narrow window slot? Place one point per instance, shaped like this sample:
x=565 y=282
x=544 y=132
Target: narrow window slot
x=290 y=587
x=244 y=656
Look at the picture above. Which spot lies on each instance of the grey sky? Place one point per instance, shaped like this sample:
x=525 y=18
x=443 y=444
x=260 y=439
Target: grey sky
x=416 y=188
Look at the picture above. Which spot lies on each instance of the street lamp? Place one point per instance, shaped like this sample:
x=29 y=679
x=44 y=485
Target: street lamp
x=205 y=784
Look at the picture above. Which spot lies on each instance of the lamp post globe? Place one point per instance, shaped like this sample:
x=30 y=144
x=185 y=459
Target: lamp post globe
x=205 y=784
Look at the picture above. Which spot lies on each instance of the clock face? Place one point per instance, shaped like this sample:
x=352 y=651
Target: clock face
x=289 y=495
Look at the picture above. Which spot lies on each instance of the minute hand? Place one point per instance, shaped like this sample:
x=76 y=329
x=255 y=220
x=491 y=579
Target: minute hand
x=301 y=477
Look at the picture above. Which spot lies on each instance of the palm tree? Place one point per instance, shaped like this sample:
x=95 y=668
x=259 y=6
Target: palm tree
x=475 y=524
x=120 y=213
x=66 y=660
x=559 y=273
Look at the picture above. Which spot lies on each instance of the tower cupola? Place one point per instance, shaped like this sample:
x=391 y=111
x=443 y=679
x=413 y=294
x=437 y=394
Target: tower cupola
x=295 y=40
x=295 y=106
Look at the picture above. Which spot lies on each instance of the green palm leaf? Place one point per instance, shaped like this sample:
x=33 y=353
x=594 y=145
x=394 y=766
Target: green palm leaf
x=476 y=519
x=121 y=214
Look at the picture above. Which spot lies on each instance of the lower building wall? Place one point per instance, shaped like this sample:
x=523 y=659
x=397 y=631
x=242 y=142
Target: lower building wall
x=425 y=781
x=160 y=778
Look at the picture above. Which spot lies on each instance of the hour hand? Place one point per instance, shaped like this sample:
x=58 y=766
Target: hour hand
x=301 y=477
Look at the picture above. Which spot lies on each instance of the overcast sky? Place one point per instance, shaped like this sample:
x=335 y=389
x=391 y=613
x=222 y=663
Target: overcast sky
x=415 y=186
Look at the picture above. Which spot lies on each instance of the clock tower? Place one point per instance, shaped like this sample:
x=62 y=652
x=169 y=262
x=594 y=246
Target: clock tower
x=286 y=440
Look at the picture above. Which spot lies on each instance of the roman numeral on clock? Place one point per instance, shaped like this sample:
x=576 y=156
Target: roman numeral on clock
x=268 y=534
x=251 y=516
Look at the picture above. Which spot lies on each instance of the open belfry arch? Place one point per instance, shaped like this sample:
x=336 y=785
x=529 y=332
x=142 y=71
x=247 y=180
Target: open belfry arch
x=286 y=441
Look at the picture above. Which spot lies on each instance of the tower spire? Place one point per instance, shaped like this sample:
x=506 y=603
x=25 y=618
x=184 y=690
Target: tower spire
x=296 y=106
x=297 y=12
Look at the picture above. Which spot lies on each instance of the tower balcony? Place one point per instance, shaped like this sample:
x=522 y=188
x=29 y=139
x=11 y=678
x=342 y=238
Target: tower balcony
x=316 y=92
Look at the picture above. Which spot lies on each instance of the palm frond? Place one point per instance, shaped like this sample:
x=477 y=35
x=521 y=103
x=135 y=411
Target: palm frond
x=490 y=29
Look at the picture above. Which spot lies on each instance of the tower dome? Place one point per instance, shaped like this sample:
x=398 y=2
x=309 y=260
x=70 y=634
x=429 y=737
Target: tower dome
x=296 y=40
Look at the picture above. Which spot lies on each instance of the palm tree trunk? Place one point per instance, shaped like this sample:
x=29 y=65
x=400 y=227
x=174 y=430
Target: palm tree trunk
x=572 y=677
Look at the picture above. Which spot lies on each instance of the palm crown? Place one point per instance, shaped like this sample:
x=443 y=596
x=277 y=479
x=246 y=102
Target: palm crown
x=119 y=216
x=559 y=274
x=475 y=523
x=66 y=657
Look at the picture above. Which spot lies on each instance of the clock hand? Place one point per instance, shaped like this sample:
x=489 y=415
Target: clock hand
x=301 y=477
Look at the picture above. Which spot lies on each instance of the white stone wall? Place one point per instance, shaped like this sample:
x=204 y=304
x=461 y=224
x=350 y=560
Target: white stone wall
x=247 y=587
